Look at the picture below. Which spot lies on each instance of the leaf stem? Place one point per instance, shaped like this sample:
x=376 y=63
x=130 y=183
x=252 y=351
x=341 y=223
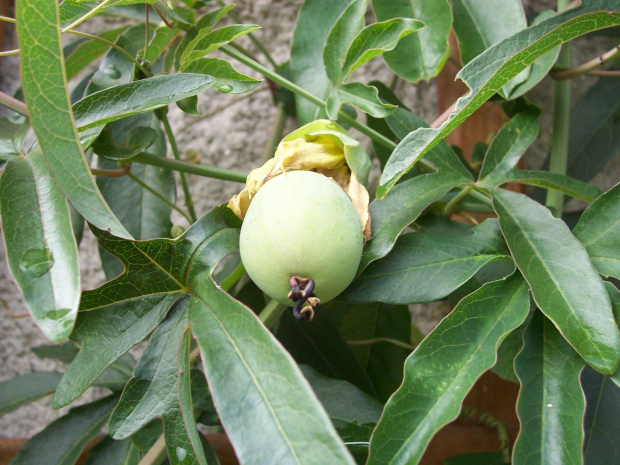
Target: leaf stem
x=13 y=104
x=447 y=211
x=271 y=313
x=189 y=203
x=233 y=277
x=396 y=342
x=558 y=158
x=88 y=15
x=10 y=52
x=156 y=454
x=158 y=195
x=8 y=20
x=586 y=68
x=191 y=168
x=111 y=173
x=275 y=135
x=114 y=46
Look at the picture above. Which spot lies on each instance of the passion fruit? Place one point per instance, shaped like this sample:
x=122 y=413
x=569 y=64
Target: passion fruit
x=301 y=225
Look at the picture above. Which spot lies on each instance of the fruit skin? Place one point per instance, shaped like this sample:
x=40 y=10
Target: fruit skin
x=302 y=224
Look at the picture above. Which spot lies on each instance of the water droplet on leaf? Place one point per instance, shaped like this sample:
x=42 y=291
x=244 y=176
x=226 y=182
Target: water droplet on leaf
x=224 y=89
x=181 y=454
x=36 y=262
x=111 y=72
x=57 y=314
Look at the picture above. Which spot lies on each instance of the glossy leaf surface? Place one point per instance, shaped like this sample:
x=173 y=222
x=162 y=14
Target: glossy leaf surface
x=444 y=367
x=494 y=68
x=44 y=87
x=41 y=250
x=62 y=441
x=420 y=55
x=598 y=230
x=551 y=403
x=564 y=283
x=423 y=267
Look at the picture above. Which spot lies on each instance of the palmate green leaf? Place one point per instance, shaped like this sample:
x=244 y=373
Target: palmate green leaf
x=141 y=96
x=554 y=181
x=364 y=97
x=538 y=70
x=143 y=214
x=264 y=403
x=321 y=346
x=153 y=391
x=348 y=25
x=186 y=378
x=225 y=75
x=423 y=267
x=111 y=452
x=410 y=198
x=598 y=230
x=62 y=441
x=564 y=284
x=307 y=68
x=376 y=39
x=373 y=331
x=207 y=41
x=594 y=136
x=41 y=250
x=343 y=402
x=121 y=313
x=203 y=24
x=507 y=148
x=477 y=26
x=494 y=68
x=27 y=388
x=45 y=92
x=444 y=367
x=602 y=419
x=551 y=403
x=105 y=335
x=420 y=55
x=84 y=51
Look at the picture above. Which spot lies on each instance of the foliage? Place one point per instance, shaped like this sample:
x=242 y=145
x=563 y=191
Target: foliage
x=534 y=295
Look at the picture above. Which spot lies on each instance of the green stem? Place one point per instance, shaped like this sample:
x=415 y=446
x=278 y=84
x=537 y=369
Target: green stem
x=156 y=454
x=115 y=47
x=177 y=156
x=276 y=133
x=558 y=158
x=10 y=52
x=145 y=186
x=191 y=168
x=588 y=67
x=271 y=313
x=233 y=277
x=13 y=104
x=395 y=342
x=88 y=15
x=254 y=40
x=447 y=211
x=8 y=20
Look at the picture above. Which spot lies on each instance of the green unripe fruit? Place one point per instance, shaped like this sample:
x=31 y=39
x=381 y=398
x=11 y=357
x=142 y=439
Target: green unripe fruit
x=302 y=224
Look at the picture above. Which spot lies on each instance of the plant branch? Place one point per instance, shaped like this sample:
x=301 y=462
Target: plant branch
x=10 y=52
x=189 y=203
x=163 y=17
x=447 y=211
x=271 y=313
x=13 y=104
x=111 y=173
x=275 y=135
x=395 y=342
x=158 y=195
x=6 y=19
x=114 y=46
x=558 y=158
x=191 y=168
x=586 y=68
x=88 y=15
x=156 y=454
